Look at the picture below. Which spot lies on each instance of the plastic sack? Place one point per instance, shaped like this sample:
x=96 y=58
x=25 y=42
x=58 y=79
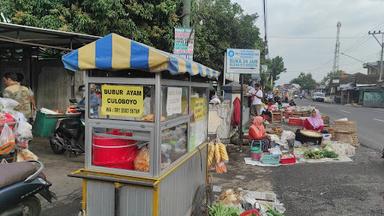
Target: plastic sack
x=8 y=104
x=7 y=140
x=24 y=130
x=141 y=162
x=25 y=155
x=287 y=135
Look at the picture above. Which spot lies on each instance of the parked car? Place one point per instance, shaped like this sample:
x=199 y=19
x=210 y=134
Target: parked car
x=318 y=96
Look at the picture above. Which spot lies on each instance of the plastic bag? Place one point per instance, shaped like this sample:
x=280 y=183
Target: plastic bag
x=8 y=104
x=221 y=168
x=7 y=140
x=25 y=154
x=287 y=135
x=142 y=160
x=24 y=130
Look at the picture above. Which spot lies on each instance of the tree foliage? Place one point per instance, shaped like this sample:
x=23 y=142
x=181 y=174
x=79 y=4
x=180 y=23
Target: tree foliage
x=305 y=81
x=151 y=22
x=275 y=68
x=219 y=25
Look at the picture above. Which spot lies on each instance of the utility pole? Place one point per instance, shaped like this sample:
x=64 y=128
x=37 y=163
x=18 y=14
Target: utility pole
x=374 y=33
x=335 y=67
x=186 y=13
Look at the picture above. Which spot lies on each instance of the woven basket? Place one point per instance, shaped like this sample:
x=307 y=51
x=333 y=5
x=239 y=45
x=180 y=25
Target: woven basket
x=345 y=126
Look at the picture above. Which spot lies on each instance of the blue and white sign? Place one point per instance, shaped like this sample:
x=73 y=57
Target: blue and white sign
x=243 y=61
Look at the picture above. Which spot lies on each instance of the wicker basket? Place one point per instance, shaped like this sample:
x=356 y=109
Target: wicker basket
x=345 y=126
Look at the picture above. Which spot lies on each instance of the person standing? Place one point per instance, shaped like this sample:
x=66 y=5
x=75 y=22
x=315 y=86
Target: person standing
x=20 y=79
x=257 y=96
x=18 y=93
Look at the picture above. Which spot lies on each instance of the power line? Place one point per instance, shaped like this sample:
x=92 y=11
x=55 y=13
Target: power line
x=308 y=37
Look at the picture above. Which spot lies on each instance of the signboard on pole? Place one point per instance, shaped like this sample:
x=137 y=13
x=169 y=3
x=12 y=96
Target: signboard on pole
x=243 y=61
x=184 y=41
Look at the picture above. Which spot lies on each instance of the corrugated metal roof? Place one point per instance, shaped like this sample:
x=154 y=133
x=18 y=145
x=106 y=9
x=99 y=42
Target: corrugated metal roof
x=31 y=36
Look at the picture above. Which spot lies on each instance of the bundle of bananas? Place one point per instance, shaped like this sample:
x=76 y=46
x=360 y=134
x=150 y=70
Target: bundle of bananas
x=217 y=155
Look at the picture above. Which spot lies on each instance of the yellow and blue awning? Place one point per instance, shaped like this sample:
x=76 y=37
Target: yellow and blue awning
x=114 y=52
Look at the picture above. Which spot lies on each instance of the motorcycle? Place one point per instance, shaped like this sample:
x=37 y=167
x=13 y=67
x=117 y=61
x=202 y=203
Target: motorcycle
x=20 y=182
x=69 y=132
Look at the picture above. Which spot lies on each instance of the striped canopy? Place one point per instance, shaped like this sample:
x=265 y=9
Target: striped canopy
x=114 y=52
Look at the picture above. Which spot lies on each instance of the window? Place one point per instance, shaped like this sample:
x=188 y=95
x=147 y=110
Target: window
x=121 y=102
x=121 y=149
x=173 y=144
x=174 y=102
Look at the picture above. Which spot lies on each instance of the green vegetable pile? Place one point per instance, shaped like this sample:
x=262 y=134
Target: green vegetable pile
x=273 y=212
x=219 y=209
x=318 y=154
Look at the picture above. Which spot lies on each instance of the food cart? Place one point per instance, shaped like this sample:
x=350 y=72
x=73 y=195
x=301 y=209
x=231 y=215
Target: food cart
x=146 y=128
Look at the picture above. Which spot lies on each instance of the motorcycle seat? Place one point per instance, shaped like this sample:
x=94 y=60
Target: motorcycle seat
x=15 y=172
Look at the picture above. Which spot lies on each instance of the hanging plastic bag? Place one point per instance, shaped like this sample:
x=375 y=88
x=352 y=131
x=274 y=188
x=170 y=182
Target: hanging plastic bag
x=142 y=160
x=7 y=140
x=24 y=130
x=25 y=155
x=8 y=104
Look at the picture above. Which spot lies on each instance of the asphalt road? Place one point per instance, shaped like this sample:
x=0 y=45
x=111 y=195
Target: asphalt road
x=335 y=189
x=370 y=121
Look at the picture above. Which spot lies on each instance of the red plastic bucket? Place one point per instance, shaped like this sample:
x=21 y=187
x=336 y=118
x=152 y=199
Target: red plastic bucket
x=113 y=152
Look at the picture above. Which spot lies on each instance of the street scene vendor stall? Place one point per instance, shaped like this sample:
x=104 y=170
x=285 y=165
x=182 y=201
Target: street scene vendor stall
x=145 y=144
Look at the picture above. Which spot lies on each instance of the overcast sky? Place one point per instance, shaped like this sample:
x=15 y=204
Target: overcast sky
x=303 y=32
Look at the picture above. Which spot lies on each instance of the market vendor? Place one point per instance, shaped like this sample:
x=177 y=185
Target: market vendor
x=314 y=122
x=257 y=130
x=18 y=93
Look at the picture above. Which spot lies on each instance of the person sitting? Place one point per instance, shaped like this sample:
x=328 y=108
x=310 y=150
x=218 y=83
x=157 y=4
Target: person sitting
x=314 y=122
x=257 y=130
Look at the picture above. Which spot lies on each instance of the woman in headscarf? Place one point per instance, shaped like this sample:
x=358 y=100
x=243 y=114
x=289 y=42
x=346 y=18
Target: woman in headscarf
x=314 y=122
x=257 y=129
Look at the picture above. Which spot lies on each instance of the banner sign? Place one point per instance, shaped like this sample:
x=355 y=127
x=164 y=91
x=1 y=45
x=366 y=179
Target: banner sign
x=199 y=108
x=243 y=61
x=184 y=41
x=122 y=100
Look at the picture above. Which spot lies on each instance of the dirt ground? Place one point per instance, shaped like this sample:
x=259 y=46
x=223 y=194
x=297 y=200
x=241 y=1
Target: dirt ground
x=57 y=167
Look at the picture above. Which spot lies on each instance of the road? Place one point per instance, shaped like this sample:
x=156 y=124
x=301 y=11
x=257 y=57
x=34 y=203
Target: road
x=333 y=189
x=370 y=121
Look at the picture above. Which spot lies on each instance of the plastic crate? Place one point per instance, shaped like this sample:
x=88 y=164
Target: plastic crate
x=296 y=121
x=45 y=124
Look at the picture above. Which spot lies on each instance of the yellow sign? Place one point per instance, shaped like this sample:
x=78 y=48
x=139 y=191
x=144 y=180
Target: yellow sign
x=199 y=108
x=122 y=100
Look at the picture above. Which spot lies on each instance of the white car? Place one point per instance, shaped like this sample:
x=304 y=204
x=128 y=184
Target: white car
x=318 y=96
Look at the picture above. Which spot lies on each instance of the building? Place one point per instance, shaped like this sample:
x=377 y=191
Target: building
x=36 y=53
x=372 y=67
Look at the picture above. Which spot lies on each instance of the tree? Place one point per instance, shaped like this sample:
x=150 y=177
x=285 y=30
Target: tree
x=305 y=81
x=275 y=68
x=151 y=22
x=219 y=25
